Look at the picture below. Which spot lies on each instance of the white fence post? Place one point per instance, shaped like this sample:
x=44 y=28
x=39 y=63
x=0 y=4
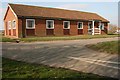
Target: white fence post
x=93 y=30
x=99 y=27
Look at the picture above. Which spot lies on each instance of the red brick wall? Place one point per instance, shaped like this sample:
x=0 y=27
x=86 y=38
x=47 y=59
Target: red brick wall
x=14 y=32
x=73 y=28
x=9 y=32
x=80 y=31
x=85 y=28
x=66 y=31
x=105 y=31
x=40 y=27
x=6 y=28
x=30 y=32
x=49 y=32
x=22 y=31
x=58 y=27
x=10 y=17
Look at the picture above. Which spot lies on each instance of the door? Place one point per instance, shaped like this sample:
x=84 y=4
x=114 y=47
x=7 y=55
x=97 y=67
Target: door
x=90 y=28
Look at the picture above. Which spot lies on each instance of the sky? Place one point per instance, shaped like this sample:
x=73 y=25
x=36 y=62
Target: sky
x=108 y=10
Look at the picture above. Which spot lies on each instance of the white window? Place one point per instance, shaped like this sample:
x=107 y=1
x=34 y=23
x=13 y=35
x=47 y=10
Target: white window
x=9 y=24
x=13 y=24
x=50 y=24
x=102 y=26
x=30 y=23
x=80 y=25
x=66 y=24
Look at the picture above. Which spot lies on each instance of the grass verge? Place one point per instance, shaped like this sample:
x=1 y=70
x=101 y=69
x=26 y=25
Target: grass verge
x=17 y=69
x=4 y=39
x=55 y=38
x=108 y=47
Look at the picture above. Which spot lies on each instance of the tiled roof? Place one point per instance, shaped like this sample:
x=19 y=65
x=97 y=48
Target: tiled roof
x=35 y=11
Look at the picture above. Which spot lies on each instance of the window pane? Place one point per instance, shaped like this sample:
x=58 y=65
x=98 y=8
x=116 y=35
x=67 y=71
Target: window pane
x=66 y=25
x=79 y=25
x=13 y=24
x=30 y=23
x=50 y=24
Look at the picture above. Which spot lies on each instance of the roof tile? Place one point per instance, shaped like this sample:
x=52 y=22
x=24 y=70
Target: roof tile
x=27 y=10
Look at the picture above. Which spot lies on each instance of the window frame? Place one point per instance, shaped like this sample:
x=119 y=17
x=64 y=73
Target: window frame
x=9 y=24
x=47 y=24
x=78 y=24
x=27 y=25
x=68 y=24
x=15 y=24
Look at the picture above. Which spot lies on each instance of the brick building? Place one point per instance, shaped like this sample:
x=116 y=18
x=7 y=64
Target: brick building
x=25 y=20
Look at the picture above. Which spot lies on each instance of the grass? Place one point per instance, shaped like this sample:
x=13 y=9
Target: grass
x=4 y=39
x=55 y=38
x=108 y=47
x=17 y=69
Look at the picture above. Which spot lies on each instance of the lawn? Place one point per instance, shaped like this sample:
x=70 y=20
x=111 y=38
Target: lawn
x=4 y=39
x=17 y=69
x=108 y=47
x=54 y=38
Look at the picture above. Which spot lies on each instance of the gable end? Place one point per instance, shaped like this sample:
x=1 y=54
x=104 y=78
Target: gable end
x=9 y=7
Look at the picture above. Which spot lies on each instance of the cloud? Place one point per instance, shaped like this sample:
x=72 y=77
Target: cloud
x=74 y=6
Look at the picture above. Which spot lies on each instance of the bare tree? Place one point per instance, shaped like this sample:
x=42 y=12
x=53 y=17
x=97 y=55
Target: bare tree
x=112 y=28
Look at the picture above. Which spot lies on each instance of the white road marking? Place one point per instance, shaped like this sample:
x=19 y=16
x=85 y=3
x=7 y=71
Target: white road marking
x=96 y=62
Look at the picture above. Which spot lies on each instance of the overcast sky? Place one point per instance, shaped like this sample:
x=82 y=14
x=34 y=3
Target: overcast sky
x=108 y=10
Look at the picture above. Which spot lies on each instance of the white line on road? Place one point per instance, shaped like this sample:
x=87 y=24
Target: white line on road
x=95 y=62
